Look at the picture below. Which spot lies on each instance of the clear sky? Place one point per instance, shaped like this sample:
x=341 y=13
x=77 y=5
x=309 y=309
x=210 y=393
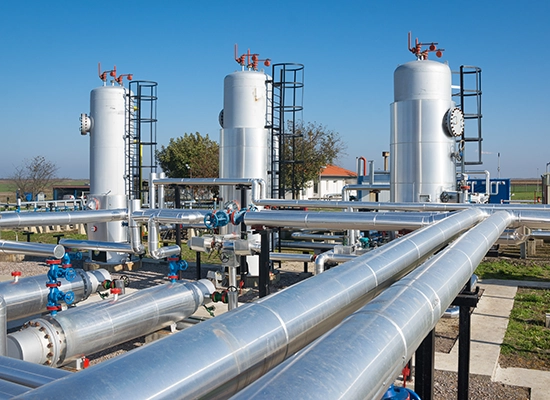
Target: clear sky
x=50 y=51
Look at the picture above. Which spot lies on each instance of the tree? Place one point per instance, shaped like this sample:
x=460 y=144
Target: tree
x=313 y=146
x=35 y=175
x=191 y=156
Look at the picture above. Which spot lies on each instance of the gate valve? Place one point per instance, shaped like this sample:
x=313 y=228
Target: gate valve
x=176 y=265
x=56 y=272
x=55 y=296
x=16 y=275
x=216 y=219
x=115 y=292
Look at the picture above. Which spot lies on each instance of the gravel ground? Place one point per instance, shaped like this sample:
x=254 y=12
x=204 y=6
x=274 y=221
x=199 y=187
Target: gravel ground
x=154 y=273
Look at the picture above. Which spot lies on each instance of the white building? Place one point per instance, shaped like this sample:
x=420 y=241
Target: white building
x=330 y=183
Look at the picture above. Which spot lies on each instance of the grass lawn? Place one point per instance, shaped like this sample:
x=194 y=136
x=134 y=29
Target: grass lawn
x=527 y=339
x=512 y=269
x=39 y=237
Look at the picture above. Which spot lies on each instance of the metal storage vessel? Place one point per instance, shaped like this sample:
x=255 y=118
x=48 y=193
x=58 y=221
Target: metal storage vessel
x=421 y=148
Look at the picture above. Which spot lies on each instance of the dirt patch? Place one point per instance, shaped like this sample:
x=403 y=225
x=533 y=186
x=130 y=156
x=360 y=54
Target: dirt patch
x=446 y=334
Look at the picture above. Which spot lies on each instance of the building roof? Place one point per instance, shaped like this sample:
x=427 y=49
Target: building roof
x=335 y=171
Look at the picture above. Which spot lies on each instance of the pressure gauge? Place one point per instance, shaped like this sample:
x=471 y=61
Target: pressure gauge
x=454 y=122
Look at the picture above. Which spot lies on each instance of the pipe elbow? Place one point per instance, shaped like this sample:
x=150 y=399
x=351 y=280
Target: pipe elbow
x=164 y=252
x=320 y=261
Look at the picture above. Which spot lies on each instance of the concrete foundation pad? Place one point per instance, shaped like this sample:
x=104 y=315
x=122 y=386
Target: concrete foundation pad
x=538 y=381
x=488 y=327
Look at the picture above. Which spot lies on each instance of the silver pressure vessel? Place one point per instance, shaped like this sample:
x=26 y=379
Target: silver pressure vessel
x=421 y=148
x=243 y=137
x=108 y=106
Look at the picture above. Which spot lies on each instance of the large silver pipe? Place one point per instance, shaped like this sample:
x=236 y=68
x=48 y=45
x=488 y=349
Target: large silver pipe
x=291 y=257
x=299 y=245
x=534 y=219
x=540 y=234
x=341 y=220
x=316 y=236
x=8 y=389
x=59 y=340
x=15 y=220
x=170 y=215
x=27 y=374
x=32 y=249
x=29 y=296
x=3 y=326
x=389 y=206
x=218 y=357
x=134 y=229
x=95 y=245
x=373 y=345
x=322 y=258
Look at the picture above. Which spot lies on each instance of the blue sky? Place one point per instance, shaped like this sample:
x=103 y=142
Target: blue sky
x=350 y=49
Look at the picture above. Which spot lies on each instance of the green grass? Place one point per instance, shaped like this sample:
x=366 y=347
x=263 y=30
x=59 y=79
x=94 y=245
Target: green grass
x=526 y=192
x=527 y=340
x=527 y=337
x=507 y=270
x=39 y=237
x=189 y=255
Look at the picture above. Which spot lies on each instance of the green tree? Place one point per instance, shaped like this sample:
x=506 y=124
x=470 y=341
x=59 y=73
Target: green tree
x=35 y=175
x=311 y=147
x=190 y=156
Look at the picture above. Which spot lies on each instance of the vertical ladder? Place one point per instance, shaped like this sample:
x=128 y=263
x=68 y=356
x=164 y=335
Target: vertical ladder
x=141 y=138
x=469 y=95
x=286 y=93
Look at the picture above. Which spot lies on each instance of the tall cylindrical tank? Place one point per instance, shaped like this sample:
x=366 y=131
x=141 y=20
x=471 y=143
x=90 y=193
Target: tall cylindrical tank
x=421 y=147
x=243 y=137
x=107 y=145
x=107 y=163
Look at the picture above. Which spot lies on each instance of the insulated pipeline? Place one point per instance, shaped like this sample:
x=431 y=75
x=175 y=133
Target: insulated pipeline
x=341 y=220
x=95 y=245
x=221 y=356
x=15 y=220
x=29 y=296
x=28 y=375
x=32 y=249
x=3 y=326
x=372 y=346
x=94 y=327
